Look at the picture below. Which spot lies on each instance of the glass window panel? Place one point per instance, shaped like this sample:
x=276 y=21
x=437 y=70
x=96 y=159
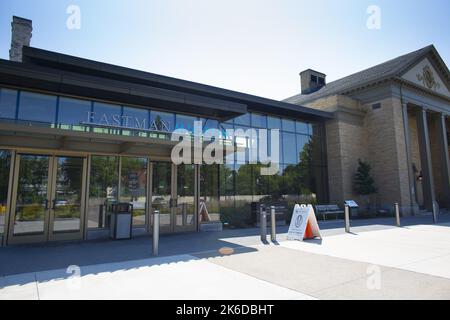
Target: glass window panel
x=72 y=113
x=260 y=184
x=133 y=186
x=302 y=127
x=8 y=103
x=276 y=185
x=244 y=195
x=163 y=123
x=259 y=121
x=227 y=209
x=185 y=211
x=37 y=107
x=289 y=148
x=5 y=162
x=210 y=124
x=185 y=122
x=209 y=194
x=67 y=202
x=106 y=116
x=273 y=123
x=243 y=120
x=32 y=195
x=161 y=191
x=288 y=125
x=279 y=146
x=243 y=141
x=137 y=119
x=103 y=186
x=304 y=148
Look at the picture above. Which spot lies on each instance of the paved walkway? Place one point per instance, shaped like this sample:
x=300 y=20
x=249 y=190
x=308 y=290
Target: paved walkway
x=377 y=261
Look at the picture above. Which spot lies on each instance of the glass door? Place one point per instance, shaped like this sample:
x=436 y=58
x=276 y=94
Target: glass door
x=48 y=199
x=67 y=197
x=185 y=195
x=31 y=199
x=162 y=194
x=174 y=195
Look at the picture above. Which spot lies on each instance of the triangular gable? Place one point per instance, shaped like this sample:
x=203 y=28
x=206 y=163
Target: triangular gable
x=425 y=75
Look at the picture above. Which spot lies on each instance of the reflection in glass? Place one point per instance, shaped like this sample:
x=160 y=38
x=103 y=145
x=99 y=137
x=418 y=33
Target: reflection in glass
x=185 y=211
x=32 y=195
x=106 y=116
x=209 y=194
x=37 y=107
x=103 y=186
x=210 y=124
x=162 y=191
x=302 y=127
x=133 y=187
x=303 y=147
x=5 y=162
x=243 y=120
x=274 y=123
x=185 y=122
x=259 y=120
x=137 y=119
x=288 y=125
x=72 y=113
x=162 y=123
x=244 y=195
x=8 y=103
x=67 y=201
x=289 y=148
x=227 y=210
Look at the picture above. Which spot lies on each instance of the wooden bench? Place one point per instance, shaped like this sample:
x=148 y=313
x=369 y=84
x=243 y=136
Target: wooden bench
x=329 y=209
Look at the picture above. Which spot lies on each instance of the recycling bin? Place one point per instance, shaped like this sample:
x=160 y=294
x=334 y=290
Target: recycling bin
x=121 y=221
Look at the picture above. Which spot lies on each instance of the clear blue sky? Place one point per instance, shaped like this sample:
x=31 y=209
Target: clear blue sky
x=252 y=46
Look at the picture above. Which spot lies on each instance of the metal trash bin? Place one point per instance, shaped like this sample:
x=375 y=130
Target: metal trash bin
x=121 y=221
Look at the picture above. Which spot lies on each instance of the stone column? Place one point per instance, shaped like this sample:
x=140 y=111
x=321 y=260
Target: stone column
x=442 y=141
x=412 y=191
x=425 y=159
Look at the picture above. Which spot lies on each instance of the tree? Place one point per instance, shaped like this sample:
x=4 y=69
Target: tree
x=363 y=183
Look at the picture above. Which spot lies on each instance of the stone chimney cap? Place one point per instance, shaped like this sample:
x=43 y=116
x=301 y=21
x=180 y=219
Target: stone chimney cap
x=17 y=19
x=314 y=71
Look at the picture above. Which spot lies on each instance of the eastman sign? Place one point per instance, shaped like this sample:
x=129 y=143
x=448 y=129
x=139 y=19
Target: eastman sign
x=117 y=121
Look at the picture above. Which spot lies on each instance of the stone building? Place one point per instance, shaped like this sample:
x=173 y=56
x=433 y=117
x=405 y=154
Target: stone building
x=395 y=116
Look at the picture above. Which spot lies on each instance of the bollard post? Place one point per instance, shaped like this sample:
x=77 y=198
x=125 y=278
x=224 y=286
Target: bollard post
x=435 y=211
x=347 y=218
x=397 y=214
x=263 y=223
x=273 y=225
x=155 y=232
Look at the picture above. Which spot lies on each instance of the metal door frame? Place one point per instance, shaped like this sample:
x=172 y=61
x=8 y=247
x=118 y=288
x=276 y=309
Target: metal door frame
x=47 y=235
x=67 y=235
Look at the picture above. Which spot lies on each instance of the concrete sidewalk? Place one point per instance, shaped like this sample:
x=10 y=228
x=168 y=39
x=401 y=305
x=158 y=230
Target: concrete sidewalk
x=375 y=262
x=25 y=259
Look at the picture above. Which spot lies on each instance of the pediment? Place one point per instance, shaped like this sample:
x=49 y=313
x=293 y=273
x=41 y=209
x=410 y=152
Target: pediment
x=425 y=75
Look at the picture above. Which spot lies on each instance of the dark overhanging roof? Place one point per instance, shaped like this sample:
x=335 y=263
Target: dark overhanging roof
x=392 y=69
x=216 y=102
x=26 y=75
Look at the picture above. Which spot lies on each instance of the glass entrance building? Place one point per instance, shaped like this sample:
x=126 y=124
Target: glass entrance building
x=77 y=136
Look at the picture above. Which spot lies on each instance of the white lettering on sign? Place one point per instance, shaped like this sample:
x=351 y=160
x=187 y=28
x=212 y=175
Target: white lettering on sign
x=126 y=122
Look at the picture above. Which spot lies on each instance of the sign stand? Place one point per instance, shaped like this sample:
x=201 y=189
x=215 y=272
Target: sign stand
x=304 y=224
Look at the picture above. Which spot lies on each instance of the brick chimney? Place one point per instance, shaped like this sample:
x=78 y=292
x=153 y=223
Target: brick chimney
x=311 y=81
x=21 y=36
